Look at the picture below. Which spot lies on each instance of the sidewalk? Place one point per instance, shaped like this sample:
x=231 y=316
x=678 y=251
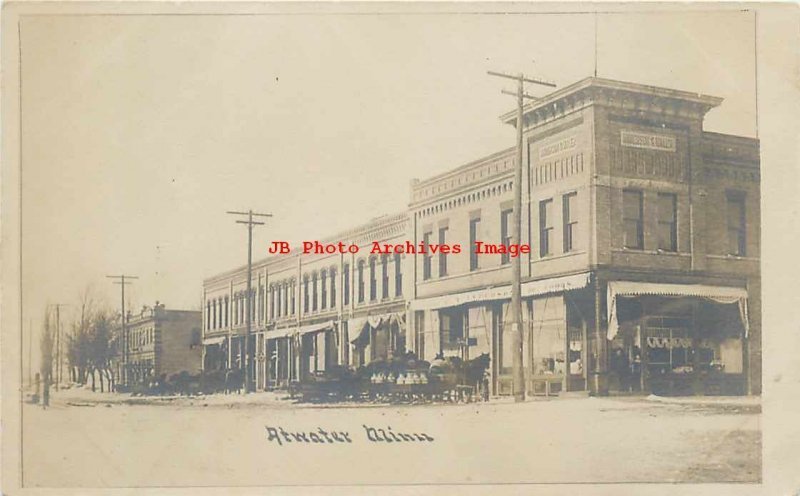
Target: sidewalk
x=83 y=396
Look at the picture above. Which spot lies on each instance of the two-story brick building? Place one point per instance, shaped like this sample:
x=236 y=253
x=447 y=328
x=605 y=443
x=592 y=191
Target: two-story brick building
x=643 y=273
x=159 y=342
x=312 y=311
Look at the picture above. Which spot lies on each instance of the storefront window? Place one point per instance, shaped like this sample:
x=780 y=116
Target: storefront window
x=549 y=336
x=479 y=331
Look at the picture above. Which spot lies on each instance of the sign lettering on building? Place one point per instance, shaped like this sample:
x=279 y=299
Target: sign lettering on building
x=648 y=141
x=557 y=147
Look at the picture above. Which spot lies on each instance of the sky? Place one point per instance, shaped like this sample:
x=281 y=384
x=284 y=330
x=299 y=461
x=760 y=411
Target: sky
x=140 y=132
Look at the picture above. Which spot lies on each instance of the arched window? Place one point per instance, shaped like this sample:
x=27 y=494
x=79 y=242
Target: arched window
x=384 y=276
x=360 y=281
x=314 y=299
x=333 y=287
x=278 y=296
x=324 y=289
x=373 y=283
x=291 y=291
x=346 y=284
x=398 y=275
x=305 y=293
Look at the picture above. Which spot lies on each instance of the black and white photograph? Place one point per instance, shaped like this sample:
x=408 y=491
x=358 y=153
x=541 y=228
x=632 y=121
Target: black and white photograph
x=391 y=247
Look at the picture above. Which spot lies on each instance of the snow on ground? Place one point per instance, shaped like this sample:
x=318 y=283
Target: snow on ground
x=101 y=439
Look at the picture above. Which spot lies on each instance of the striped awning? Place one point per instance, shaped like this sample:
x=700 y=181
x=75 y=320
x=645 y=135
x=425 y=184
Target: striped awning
x=719 y=294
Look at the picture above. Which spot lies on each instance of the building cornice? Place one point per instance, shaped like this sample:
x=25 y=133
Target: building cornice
x=608 y=92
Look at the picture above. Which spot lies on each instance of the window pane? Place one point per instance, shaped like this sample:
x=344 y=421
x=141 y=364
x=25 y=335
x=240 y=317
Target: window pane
x=665 y=239
x=632 y=202
x=632 y=234
x=666 y=207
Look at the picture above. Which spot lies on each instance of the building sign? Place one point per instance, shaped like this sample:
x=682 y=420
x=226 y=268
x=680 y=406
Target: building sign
x=557 y=147
x=648 y=141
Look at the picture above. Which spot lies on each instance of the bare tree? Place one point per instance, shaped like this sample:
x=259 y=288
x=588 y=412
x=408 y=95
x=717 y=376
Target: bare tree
x=91 y=345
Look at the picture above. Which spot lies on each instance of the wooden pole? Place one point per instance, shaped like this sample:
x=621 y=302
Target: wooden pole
x=516 y=262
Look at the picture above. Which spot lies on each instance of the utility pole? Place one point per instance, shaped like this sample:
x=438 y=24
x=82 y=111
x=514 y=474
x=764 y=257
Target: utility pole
x=58 y=343
x=248 y=359
x=30 y=353
x=121 y=280
x=516 y=262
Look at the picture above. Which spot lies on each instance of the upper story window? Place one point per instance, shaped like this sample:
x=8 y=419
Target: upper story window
x=427 y=258
x=398 y=275
x=667 y=222
x=285 y=289
x=346 y=284
x=474 y=229
x=227 y=304
x=333 y=287
x=305 y=294
x=442 y=253
x=632 y=213
x=505 y=234
x=384 y=276
x=324 y=288
x=545 y=226
x=314 y=292
x=737 y=234
x=278 y=298
x=570 y=221
x=292 y=296
x=360 y=271
x=373 y=282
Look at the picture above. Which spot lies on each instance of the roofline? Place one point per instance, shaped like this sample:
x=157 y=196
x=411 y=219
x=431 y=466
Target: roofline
x=375 y=222
x=418 y=183
x=658 y=91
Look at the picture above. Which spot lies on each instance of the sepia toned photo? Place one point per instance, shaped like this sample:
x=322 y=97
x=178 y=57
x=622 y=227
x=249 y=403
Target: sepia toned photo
x=318 y=246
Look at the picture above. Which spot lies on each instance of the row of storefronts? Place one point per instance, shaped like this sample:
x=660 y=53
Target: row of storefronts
x=643 y=277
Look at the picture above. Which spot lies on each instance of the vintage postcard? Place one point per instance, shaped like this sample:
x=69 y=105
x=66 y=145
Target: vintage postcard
x=399 y=248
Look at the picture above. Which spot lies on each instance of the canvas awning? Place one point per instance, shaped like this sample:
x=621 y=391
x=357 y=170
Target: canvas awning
x=323 y=326
x=212 y=341
x=530 y=288
x=280 y=333
x=719 y=294
x=360 y=326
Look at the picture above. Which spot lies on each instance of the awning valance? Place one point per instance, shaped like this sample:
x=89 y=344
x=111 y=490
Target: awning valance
x=719 y=294
x=212 y=341
x=531 y=288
